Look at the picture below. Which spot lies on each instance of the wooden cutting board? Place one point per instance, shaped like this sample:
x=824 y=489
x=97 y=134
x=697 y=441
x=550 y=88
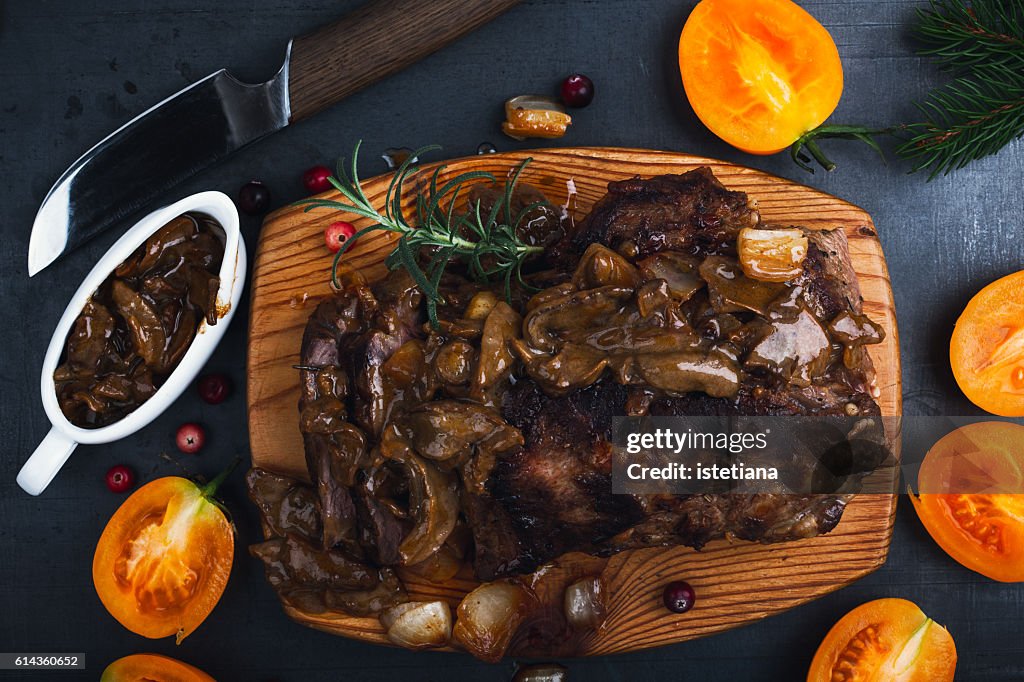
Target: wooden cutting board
x=736 y=583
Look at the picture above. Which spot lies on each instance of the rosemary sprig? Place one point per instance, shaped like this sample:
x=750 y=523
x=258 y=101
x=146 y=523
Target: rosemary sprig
x=487 y=245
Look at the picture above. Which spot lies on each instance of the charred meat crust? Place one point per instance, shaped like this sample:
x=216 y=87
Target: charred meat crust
x=692 y=213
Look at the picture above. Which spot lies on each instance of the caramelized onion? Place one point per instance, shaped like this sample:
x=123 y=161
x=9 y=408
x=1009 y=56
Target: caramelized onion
x=584 y=604
x=488 y=617
x=772 y=255
x=418 y=624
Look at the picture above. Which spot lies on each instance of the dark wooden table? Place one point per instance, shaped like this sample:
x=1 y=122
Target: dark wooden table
x=71 y=72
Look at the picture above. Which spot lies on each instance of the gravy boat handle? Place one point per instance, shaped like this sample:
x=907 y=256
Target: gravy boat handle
x=45 y=462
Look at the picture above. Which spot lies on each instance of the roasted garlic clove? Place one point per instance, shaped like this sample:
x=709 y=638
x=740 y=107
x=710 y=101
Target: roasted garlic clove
x=772 y=255
x=534 y=116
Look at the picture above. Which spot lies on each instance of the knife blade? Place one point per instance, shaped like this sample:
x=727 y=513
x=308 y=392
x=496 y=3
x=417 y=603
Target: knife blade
x=218 y=115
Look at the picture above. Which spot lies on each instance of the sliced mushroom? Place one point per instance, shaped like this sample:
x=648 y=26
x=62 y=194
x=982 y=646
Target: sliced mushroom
x=730 y=291
x=365 y=603
x=461 y=434
x=601 y=267
x=433 y=502
x=418 y=624
x=573 y=366
x=680 y=272
x=796 y=350
x=147 y=331
x=285 y=505
x=495 y=363
x=547 y=326
x=680 y=372
x=292 y=559
x=90 y=337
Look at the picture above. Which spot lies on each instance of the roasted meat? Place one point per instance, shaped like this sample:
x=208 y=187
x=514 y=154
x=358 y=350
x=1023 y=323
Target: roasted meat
x=497 y=422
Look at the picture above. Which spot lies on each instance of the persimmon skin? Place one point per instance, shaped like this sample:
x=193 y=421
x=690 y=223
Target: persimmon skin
x=759 y=73
x=152 y=668
x=163 y=560
x=986 y=350
x=983 y=532
x=882 y=640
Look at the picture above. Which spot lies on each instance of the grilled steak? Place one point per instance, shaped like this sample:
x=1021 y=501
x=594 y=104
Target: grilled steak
x=496 y=424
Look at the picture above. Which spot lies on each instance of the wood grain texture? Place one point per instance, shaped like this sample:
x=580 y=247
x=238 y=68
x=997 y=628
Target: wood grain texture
x=736 y=583
x=375 y=41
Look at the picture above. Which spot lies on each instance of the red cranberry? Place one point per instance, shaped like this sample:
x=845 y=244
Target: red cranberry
x=254 y=198
x=316 y=179
x=577 y=91
x=679 y=596
x=214 y=388
x=338 y=233
x=190 y=438
x=120 y=478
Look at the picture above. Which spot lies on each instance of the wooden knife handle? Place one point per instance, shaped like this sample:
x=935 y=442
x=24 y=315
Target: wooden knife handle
x=376 y=40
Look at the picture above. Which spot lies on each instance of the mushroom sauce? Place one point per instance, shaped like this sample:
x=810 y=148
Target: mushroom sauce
x=137 y=326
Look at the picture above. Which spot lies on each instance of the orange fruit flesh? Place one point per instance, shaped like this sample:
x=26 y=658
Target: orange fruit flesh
x=886 y=639
x=759 y=74
x=971 y=502
x=986 y=351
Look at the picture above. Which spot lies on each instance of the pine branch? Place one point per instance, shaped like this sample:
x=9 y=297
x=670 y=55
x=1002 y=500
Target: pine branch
x=981 y=111
x=984 y=32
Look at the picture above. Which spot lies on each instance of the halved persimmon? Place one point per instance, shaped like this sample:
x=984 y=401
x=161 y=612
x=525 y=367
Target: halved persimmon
x=152 y=668
x=759 y=73
x=970 y=486
x=882 y=641
x=164 y=558
x=987 y=348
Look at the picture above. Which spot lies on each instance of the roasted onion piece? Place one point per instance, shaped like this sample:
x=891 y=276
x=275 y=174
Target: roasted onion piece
x=584 y=604
x=488 y=617
x=772 y=255
x=418 y=624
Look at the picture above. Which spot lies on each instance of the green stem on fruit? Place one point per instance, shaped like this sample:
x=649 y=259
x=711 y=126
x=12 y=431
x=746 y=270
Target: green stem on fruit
x=210 y=488
x=809 y=142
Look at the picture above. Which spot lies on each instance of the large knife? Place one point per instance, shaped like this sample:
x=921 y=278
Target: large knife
x=218 y=115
